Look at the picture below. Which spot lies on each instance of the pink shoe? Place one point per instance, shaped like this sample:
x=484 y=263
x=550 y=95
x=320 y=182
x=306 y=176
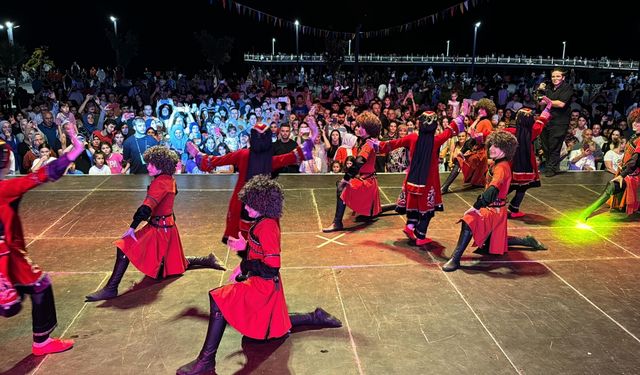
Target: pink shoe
x=423 y=241
x=409 y=233
x=515 y=215
x=54 y=346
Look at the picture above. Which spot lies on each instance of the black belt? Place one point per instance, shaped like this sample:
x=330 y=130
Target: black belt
x=168 y=221
x=498 y=203
x=367 y=176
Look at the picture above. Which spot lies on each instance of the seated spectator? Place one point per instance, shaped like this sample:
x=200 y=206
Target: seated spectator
x=613 y=157
x=567 y=146
x=583 y=159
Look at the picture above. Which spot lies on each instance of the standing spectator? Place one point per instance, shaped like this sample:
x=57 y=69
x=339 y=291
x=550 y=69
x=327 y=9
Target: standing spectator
x=556 y=130
x=134 y=147
x=44 y=159
x=113 y=160
x=107 y=133
x=99 y=167
x=284 y=145
x=7 y=135
x=50 y=130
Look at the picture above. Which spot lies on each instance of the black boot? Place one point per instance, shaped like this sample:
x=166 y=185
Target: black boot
x=452 y=176
x=528 y=241
x=463 y=241
x=388 y=207
x=602 y=199
x=111 y=289
x=337 y=220
x=206 y=361
x=317 y=318
x=210 y=261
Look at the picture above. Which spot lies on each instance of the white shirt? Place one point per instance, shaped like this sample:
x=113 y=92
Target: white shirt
x=614 y=158
x=105 y=170
x=582 y=164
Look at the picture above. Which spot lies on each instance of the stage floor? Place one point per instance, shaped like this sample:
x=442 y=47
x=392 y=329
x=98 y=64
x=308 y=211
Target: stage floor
x=573 y=309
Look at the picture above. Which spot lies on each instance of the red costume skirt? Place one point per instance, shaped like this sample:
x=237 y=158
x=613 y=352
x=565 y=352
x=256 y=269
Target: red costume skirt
x=152 y=247
x=489 y=221
x=17 y=268
x=474 y=167
x=362 y=196
x=627 y=200
x=255 y=307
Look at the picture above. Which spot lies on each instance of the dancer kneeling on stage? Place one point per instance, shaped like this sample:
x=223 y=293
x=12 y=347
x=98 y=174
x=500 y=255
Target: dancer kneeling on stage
x=254 y=304
x=622 y=191
x=156 y=249
x=18 y=274
x=486 y=221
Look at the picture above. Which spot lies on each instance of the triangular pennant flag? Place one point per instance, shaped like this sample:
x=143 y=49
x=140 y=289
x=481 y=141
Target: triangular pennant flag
x=466 y=5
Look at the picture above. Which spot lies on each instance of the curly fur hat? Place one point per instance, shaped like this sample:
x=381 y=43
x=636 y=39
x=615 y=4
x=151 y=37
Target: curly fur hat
x=162 y=158
x=633 y=117
x=370 y=122
x=505 y=141
x=488 y=106
x=264 y=195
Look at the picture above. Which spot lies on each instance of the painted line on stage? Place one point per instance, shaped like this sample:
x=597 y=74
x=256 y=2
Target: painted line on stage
x=591 y=230
x=536 y=227
x=35 y=370
x=330 y=240
x=435 y=263
x=591 y=190
x=315 y=205
x=476 y=315
x=592 y=304
x=66 y=213
x=346 y=322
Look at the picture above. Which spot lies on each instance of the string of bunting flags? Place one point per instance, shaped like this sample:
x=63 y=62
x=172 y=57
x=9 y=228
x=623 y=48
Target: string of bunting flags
x=451 y=11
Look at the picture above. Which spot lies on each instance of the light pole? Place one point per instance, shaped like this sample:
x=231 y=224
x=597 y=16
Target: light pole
x=473 y=55
x=273 y=46
x=9 y=26
x=448 y=48
x=564 y=48
x=349 y=52
x=115 y=24
x=297 y=25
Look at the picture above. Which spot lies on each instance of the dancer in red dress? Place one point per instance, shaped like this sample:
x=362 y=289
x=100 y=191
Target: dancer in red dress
x=156 y=249
x=486 y=221
x=472 y=160
x=622 y=191
x=18 y=274
x=524 y=167
x=422 y=184
x=254 y=304
x=258 y=159
x=358 y=189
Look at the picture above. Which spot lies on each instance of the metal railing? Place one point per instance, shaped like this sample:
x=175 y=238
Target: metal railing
x=515 y=61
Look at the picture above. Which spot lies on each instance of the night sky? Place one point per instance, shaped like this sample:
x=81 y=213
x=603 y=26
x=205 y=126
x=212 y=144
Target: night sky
x=76 y=30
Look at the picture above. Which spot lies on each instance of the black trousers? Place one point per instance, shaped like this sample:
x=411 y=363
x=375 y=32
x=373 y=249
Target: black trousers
x=552 y=137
